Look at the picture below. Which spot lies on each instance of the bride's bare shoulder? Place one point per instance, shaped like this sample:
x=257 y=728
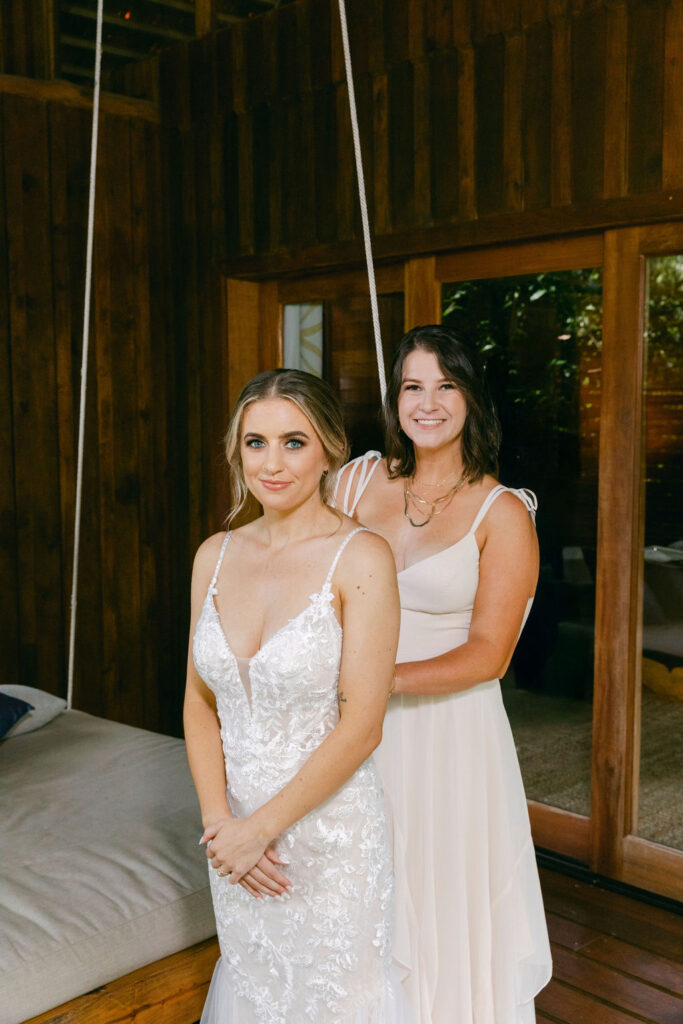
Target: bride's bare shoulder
x=366 y=555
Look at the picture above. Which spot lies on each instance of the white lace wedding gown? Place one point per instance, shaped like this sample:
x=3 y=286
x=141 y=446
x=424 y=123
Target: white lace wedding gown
x=470 y=935
x=323 y=956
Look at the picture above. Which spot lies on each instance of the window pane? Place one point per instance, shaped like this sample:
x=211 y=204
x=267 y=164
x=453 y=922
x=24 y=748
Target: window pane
x=661 y=756
x=303 y=338
x=539 y=336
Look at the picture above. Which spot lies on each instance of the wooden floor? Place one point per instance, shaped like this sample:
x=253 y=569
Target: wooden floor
x=616 y=960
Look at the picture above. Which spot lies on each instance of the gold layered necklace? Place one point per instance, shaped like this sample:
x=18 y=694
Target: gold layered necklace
x=429 y=507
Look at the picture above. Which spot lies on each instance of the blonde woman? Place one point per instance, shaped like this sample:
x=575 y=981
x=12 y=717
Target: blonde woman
x=293 y=638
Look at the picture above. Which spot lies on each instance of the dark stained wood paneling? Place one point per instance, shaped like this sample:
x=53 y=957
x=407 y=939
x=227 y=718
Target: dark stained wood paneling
x=135 y=547
x=365 y=33
x=27 y=38
x=287 y=52
x=396 y=19
x=444 y=134
x=344 y=195
x=325 y=157
x=588 y=105
x=672 y=141
x=379 y=188
x=231 y=181
x=262 y=167
x=9 y=619
x=36 y=463
x=537 y=116
x=646 y=95
x=320 y=14
x=513 y=122
x=561 y=126
x=489 y=64
x=616 y=99
x=401 y=131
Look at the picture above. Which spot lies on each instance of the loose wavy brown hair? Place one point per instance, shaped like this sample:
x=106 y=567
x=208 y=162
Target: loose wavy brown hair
x=480 y=437
x=316 y=400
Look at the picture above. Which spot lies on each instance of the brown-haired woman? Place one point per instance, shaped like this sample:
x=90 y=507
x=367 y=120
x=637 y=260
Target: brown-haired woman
x=471 y=936
x=281 y=716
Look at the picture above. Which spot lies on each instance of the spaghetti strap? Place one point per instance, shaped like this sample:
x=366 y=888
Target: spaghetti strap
x=367 y=464
x=528 y=499
x=328 y=581
x=212 y=585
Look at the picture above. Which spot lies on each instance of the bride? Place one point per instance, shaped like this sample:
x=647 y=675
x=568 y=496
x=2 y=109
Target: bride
x=281 y=716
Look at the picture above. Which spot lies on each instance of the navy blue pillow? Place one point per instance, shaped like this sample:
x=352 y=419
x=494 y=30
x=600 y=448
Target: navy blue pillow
x=11 y=710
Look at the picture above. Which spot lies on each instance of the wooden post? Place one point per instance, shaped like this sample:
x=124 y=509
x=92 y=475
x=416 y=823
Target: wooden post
x=204 y=17
x=617 y=619
x=33 y=47
x=253 y=318
x=422 y=293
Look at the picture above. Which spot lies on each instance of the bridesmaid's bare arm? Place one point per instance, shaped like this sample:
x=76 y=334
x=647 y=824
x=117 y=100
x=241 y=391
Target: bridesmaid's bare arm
x=508 y=571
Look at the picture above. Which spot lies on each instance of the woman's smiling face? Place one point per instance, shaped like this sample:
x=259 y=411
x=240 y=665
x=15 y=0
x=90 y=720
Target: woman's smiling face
x=431 y=409
x=282 y=456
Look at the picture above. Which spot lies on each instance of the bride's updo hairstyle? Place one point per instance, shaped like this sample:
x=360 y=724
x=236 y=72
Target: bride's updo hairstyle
x=459 y=363
x=316 y=400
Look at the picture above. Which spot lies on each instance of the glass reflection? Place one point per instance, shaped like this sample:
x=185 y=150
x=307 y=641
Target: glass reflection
x=661 y=758
x=540 y=338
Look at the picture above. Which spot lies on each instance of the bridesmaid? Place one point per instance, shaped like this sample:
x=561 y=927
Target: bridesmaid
x=471 y=936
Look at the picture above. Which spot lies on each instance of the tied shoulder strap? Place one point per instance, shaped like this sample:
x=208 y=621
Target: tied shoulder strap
x=528 y=499
x=363 y=467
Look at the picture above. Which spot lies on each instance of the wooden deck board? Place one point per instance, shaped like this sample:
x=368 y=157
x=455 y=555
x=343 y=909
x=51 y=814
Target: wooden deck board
x=616 y=960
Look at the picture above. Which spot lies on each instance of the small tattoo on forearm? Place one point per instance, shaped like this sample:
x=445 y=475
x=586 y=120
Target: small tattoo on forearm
x=341 y=698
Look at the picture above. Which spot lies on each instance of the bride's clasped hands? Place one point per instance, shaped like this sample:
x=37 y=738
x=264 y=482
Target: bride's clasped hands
x=238 y=849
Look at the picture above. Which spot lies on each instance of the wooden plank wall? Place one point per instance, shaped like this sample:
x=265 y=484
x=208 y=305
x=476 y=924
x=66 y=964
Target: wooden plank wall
x=135 y=555
x=481 y=122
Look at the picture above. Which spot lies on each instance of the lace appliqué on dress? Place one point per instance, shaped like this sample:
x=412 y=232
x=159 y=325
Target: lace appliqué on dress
x=324 y=953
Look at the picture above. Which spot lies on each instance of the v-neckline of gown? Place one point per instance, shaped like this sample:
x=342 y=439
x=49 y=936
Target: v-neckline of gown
x=211 y=601
x=311 y=601
x=441 y=551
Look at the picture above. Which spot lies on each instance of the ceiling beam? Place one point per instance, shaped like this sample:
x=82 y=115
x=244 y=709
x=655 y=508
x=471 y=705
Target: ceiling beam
x=127 y=24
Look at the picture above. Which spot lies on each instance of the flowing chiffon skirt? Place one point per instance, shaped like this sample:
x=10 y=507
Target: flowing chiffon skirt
x=470 y=940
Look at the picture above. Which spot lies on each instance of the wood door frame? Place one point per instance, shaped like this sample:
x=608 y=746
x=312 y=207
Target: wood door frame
x=617 y=850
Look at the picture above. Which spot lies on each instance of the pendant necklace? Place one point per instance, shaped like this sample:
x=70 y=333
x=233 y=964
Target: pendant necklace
x=436 y=506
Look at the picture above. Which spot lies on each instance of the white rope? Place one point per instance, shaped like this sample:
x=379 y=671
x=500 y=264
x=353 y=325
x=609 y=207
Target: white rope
x=84 y=354
x=363 y=201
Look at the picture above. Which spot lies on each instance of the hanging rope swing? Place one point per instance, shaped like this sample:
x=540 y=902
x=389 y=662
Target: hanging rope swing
x=84 y=351
x=363 y=201
x=88 y=296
